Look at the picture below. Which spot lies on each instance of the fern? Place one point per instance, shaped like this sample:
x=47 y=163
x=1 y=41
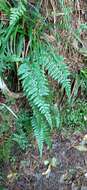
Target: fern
x=4 y=6
x=25 y=27
x=17 y=13
x=57 y=70
x=41 y=131
x=66 y=22
x=5 y=149
x=55 y=65
x=21 y=140
x=35 y=88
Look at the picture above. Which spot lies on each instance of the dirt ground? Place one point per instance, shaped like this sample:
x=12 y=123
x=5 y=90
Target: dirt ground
x=27 y=172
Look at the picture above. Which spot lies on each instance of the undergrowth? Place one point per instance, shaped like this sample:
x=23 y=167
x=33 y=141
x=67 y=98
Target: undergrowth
x=74 y=118
x=28 y=59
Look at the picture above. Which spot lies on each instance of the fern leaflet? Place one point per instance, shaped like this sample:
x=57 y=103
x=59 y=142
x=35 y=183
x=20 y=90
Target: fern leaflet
x=35 y=87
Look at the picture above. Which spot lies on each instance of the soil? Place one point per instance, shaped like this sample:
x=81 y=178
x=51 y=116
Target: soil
x=26 y=173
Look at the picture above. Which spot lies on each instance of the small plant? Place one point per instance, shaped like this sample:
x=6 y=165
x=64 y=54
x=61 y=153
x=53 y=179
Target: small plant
x=74 y=117
x=5 y=135
x=10 y=134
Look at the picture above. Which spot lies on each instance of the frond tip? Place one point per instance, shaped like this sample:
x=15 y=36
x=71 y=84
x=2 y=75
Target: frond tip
x=41 y=131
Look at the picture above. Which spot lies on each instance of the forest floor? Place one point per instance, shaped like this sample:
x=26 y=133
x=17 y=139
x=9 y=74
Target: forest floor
x=28 y=171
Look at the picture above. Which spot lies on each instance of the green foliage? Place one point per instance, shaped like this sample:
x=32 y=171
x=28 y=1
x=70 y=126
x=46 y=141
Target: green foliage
x=75 y=117
x=66 y=20
x=80 y=82
x=36 y=88
x=5 y=135
x=34 y=83
x=5 y=149
x=83 y=76
x=4 y=6
x=17 y=13
x=21 y=140
x=23 y=122
x=8 y=136
x=57 y=69
x=23 y=50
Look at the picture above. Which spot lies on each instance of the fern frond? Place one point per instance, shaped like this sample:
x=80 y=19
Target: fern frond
x=4 y=6
x=56 y=67
x=66 y=23
x=21 y=139
x=12 y=58
x=41 y=131
x=17 y=13
x=38 y=135
x=35 y=87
